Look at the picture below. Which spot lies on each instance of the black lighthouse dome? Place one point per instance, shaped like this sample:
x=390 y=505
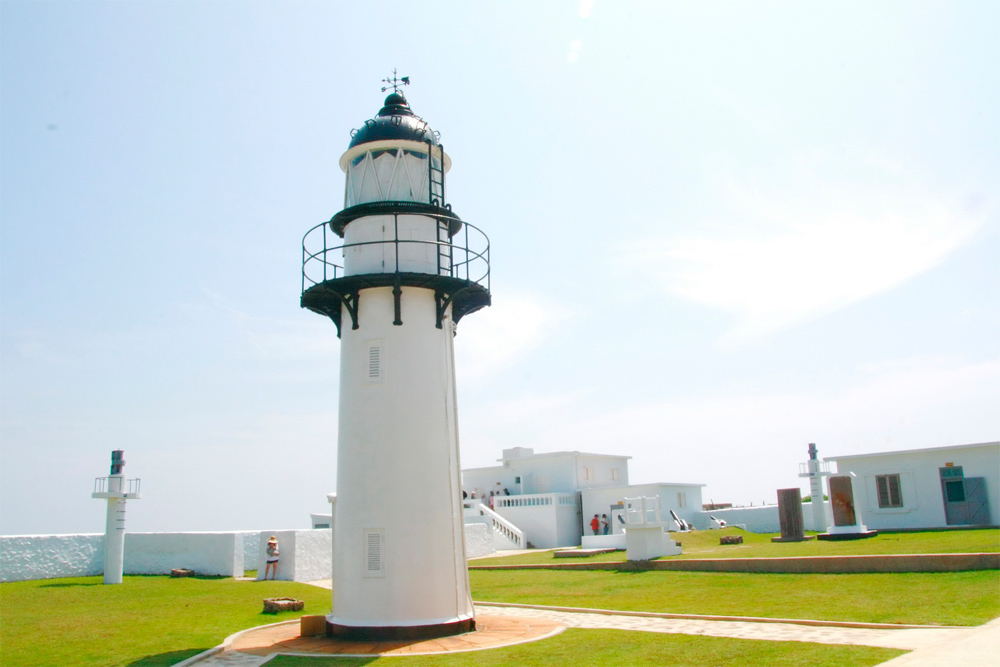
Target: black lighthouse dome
x=395 y=121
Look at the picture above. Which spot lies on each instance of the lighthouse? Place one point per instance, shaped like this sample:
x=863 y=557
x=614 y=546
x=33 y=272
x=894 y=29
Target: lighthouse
x=396 y=270
x=116 y=490
x=816 y=470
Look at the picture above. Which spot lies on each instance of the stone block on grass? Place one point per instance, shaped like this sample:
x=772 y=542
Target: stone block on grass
x=274 y=605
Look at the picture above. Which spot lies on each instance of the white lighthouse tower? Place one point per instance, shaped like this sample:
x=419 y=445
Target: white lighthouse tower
x=816 y=470
x=117 y=490
x=411 y=269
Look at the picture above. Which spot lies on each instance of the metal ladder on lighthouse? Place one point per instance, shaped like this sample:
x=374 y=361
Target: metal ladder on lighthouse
x=435 y=176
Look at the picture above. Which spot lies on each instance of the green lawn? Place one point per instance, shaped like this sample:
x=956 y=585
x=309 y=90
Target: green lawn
x=944 y=598
x=144 y=621
x=150 y=621
x=614 y=648
x=705 y=544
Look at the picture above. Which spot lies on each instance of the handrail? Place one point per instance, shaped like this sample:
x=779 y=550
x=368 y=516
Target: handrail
x=470 y=259
x=103 y=484
x=822 y=467
x=503 y=526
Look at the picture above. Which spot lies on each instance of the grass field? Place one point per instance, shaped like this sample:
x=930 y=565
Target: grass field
x=158 y=621
x=616 y=648
x=941 y=598
x=705 y=544
x=143 y=622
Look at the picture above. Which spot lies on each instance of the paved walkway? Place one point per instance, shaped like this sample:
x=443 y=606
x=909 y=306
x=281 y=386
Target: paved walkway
x=930 y=647
x=780 y=632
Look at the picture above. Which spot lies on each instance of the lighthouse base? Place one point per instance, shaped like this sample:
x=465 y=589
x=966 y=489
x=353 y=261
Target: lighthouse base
x=399 y=632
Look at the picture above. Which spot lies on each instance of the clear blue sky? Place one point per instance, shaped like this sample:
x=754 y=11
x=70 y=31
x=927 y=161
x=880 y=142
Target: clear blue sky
x=720 y=232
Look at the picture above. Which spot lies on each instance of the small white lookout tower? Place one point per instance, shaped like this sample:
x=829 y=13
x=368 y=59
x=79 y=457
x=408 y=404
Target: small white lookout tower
x=816 y=470
x=411 y=269
x=117 y=490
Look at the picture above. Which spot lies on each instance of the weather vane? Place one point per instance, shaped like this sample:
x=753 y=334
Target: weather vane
x=395 y=83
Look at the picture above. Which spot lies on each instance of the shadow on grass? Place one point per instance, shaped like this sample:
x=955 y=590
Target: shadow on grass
x=166 y=659
x=95 y=583
x=633 y=567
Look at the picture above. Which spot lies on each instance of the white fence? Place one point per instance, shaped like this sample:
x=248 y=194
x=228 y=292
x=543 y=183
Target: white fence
x=306 y=555
x=26 y=557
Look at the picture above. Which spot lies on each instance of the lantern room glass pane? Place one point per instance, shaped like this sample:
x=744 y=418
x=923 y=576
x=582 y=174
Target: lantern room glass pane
x=391 y=174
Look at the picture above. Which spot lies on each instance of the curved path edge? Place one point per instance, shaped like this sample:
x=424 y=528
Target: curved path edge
x=711 y=617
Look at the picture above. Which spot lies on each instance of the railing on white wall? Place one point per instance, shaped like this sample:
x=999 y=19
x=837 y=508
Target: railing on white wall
x=535 y=500
x=503 y=526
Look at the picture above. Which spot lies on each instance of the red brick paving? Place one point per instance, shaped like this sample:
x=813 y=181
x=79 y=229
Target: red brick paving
x=492 y=631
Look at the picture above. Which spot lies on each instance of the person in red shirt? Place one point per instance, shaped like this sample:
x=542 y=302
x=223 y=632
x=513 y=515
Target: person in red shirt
x=595 y=524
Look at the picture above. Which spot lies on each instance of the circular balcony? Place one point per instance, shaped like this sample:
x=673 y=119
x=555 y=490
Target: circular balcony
x=455 y=265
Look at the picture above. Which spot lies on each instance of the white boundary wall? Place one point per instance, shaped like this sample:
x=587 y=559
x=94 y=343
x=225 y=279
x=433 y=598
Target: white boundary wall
x=306 y=555
x=479 y=540
x=763 y=519
x=205 y=553
x=27 y=557
x=303 y=555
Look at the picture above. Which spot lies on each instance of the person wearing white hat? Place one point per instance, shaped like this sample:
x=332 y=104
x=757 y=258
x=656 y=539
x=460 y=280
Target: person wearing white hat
x=272 y=557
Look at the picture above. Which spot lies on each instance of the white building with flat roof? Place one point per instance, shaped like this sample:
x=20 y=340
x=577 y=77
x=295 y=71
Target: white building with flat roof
x=927 y=488
x=523 y=472
x=547 y=499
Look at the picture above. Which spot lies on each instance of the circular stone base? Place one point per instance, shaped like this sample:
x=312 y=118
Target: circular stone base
x=399 y=632
x=491 y=632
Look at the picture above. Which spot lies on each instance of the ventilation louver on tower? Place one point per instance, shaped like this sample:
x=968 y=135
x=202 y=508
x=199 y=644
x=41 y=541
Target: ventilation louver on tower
x=374 y=556
x=375 y=362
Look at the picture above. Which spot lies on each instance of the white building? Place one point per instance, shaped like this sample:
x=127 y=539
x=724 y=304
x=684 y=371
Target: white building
x=548 y=499
x=927 y=488
x=522 y=472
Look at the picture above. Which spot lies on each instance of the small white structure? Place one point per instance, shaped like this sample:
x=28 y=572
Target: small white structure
x=645 y=532
x=116 y=489
x=683 y=498
x=816 y=470
x=847 y=512
x=411 y=270
x=927 y=488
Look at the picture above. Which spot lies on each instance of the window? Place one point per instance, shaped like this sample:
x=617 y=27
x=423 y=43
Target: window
x=890 y=494
x=614 y=474
x=682 y=500
x=955 y=490
x=588 y=473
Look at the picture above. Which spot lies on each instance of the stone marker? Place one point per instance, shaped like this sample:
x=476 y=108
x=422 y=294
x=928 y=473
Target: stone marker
x=274 y=605
x=842 y=500
x=790 y=514
x=847 y=521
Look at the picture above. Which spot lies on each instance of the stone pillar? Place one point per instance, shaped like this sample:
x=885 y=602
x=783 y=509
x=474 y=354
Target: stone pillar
x=790 y=514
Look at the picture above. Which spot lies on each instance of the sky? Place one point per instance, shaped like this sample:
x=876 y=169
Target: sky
x=719 y=232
